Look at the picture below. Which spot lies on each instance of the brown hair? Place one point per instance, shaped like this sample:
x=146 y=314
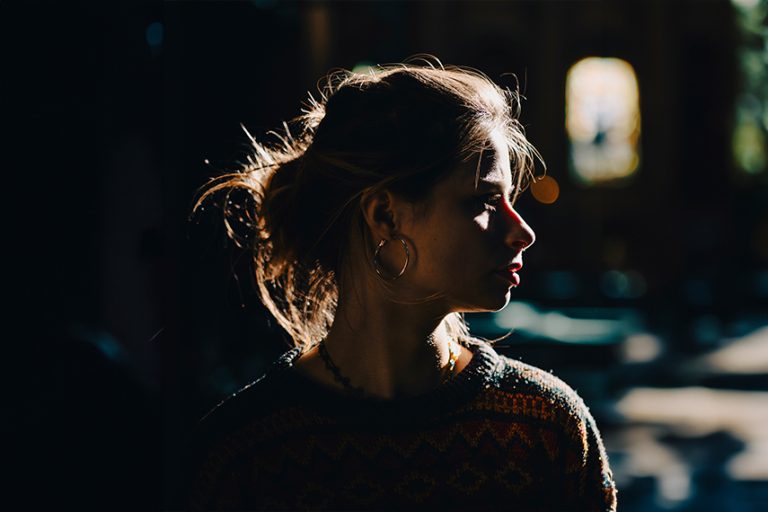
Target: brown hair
x=399 y=127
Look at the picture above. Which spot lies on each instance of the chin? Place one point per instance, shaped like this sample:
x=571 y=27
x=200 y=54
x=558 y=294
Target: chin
x=501 y=304
x=487 y=304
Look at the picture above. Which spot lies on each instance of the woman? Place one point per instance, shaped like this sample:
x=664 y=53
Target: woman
x=388 y=216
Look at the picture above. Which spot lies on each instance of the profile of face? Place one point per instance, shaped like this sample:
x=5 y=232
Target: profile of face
x=469 y=244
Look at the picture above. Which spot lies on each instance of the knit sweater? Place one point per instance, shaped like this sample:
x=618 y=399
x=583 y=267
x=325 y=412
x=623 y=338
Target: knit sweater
x=500 y=435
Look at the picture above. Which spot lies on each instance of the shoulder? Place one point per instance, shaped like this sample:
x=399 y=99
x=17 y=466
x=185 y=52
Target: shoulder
x=537 y=394
x=527 y=391
x=224 y=434
x=258 y=398
x=516 y=376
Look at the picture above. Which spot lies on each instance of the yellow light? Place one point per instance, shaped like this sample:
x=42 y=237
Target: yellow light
x=602 y=119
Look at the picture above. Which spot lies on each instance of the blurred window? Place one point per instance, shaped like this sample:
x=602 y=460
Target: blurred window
x=602 y=119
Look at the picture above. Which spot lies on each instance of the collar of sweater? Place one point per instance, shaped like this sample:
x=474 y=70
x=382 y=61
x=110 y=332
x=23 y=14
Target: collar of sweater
x=481 y=371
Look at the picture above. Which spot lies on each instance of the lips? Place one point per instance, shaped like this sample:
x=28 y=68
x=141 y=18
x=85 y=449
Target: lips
x=510 y=275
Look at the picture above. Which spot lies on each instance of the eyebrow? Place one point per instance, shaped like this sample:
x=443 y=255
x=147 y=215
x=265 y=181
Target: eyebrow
x=486 y=165
x=493 y=185
x=490 y=184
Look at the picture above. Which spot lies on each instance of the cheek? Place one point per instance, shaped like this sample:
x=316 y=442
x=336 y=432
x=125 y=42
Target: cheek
x=483 y=221
x=452 y=248
x=455 y=256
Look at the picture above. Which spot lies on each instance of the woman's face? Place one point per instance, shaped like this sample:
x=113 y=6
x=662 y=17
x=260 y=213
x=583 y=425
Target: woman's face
x=470 y=242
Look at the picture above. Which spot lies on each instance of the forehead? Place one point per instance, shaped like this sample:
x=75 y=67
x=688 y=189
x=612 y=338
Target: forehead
x=488 y=167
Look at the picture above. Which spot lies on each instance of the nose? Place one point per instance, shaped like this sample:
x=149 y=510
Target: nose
x=519 y=234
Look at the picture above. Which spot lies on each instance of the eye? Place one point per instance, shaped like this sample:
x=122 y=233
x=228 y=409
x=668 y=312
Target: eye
x=491 y=201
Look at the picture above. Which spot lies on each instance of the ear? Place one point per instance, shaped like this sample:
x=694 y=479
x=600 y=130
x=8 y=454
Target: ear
x=382 y=213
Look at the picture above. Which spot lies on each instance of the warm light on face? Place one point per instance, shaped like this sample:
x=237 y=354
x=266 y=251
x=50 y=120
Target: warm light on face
x=602 y=119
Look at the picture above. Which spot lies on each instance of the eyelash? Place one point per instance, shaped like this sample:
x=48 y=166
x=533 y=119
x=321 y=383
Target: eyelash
x=492 y=204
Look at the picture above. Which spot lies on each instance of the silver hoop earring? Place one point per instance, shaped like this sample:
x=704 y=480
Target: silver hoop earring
x=379 y=268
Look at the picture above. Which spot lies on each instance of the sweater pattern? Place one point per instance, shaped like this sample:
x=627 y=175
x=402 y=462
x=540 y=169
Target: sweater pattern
x=505 y=435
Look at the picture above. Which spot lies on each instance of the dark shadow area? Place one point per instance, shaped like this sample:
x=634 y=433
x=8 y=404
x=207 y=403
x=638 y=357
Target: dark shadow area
x=129 y=320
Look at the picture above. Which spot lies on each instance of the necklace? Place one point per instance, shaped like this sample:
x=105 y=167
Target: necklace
x=358 y=391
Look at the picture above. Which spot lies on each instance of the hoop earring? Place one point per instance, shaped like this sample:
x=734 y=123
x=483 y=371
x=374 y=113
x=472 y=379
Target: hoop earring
x=379 y=268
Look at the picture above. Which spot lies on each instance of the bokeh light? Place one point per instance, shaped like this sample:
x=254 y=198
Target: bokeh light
x=545 y=189
x=154 y=34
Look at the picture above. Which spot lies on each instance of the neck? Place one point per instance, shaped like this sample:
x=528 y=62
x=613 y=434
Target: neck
x=390 y=350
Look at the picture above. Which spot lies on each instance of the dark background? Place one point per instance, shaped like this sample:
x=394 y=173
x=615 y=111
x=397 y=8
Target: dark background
x=127 y=320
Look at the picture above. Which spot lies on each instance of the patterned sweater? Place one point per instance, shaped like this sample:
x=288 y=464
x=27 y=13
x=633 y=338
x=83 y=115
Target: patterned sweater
x=500 y=435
